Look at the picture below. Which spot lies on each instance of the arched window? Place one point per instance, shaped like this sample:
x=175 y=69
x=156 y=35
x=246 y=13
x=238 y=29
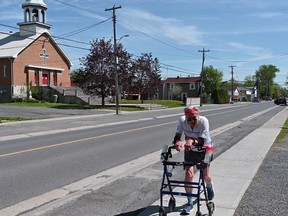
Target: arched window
x=43 y=16
x=35 y=15
x=27 y=15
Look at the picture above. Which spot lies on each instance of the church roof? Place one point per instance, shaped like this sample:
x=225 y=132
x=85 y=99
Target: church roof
x=35 y=2
x=11 y=44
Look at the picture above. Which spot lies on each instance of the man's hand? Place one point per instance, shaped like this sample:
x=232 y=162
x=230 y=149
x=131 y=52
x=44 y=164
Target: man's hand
x=188 y=144
x=178 y=145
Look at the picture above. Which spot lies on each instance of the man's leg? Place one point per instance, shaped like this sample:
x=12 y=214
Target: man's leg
x=189 y=173
x=209 y=184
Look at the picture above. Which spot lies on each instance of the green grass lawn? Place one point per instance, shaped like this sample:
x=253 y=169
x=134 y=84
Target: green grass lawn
x=12 y=119
x=166 y=103
x=283 y=131
x=122 y=105
x=47 y=105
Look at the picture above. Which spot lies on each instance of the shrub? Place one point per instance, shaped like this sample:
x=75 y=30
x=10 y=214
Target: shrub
x=220 y=97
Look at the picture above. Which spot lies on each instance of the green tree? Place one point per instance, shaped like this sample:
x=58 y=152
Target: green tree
x=250 y=81
x=266 y=75
x=96 y=77
x=147 y=76
x=124 y=69
x=74 y=75
x=212 y=79
x=276 y=90
x=220 y=96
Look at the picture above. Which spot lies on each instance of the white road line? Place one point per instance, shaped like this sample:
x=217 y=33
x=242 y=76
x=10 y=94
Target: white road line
x=58 y=197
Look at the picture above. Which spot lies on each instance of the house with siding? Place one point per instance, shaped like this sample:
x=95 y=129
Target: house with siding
x=31 y=57
x=246 y=93
x=241 y=93
x=179 y=88
x=235 y=91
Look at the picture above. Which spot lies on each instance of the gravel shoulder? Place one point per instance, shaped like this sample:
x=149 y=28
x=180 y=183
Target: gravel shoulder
x=268 y=192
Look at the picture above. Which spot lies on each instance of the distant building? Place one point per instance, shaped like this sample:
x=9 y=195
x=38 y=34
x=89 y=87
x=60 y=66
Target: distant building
x=241 y=93
x=246 y=93
x=236 y=92
x=179 y=88
x=31 y=56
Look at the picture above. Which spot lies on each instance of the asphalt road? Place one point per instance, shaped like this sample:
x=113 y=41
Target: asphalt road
x=267 y=195
x=131 y=202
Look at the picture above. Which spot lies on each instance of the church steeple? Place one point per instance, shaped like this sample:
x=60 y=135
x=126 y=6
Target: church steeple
x=34 y=18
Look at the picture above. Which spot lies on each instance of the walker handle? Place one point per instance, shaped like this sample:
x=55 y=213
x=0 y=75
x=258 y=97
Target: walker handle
x=168 y=154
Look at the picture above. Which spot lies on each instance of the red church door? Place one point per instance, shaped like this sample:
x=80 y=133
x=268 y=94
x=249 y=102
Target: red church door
x=45 y=79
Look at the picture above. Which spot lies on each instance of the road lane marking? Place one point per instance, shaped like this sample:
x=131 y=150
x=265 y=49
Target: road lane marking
x=81 y=140
x=40 y=133
x=56 y=198
x=68 y=193
x=131 y=130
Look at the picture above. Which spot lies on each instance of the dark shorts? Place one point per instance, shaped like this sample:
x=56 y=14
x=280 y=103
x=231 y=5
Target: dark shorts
x=196 y=157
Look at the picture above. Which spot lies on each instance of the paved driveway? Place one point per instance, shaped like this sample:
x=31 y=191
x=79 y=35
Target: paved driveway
x=41 y=112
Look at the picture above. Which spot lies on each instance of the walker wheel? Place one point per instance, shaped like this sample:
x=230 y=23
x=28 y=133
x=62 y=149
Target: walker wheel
x=162 y=211
x=172 y=204
x=198 y=213
x=211 y=208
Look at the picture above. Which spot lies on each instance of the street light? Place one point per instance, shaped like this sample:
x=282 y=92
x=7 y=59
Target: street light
x=123 y=37
x=116 y=71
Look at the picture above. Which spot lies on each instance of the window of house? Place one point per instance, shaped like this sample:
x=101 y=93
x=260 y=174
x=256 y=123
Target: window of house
x=172 y=85
x=192 y=86
x=4 y=71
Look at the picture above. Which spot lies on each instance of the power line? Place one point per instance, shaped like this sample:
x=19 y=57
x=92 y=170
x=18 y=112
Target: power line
x=81 y=8
x=32 y=39
x=78 y=31
x=158 y=40
x=171 y=33
x=178 y=69
x=242 y=61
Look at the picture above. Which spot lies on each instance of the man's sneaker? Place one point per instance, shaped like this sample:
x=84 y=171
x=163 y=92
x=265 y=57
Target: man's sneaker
x=187 y=209
x=210 y=191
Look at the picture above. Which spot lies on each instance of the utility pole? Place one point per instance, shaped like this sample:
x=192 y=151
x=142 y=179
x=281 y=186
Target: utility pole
x=202 y=68
x=115 y=57
x=232 y=87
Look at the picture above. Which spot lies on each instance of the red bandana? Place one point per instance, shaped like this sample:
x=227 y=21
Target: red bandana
x=191 y=111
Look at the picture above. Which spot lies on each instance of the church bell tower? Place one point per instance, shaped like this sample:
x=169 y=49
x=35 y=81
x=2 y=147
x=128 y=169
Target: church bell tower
x=34 y=18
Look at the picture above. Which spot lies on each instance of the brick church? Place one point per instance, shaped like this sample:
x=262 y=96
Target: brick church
x=31 y=57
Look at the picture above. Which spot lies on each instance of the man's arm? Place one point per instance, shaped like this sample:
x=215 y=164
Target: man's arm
x=177 y=142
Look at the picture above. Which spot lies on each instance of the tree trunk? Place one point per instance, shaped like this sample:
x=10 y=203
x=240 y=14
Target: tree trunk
x=103 y=100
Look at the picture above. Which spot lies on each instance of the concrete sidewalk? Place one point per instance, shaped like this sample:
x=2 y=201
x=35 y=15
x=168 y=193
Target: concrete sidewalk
x=234 y=170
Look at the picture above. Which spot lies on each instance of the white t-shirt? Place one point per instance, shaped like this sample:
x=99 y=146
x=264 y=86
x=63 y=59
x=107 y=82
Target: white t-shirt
x=200 y=130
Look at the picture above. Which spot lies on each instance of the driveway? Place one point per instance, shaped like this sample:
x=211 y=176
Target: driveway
x=42 y=112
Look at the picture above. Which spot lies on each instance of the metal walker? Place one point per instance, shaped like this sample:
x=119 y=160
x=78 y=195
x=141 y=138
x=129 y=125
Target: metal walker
x=169 y=186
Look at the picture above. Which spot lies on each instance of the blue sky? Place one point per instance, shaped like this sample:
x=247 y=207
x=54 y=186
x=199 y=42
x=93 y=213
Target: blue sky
x=242 y=33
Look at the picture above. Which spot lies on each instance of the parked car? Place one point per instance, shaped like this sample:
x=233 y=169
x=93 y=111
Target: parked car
x=281 y=100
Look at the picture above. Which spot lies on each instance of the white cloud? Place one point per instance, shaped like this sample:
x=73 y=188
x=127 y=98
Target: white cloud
x=160 y=27
x=269 y=15
x=259 y=53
